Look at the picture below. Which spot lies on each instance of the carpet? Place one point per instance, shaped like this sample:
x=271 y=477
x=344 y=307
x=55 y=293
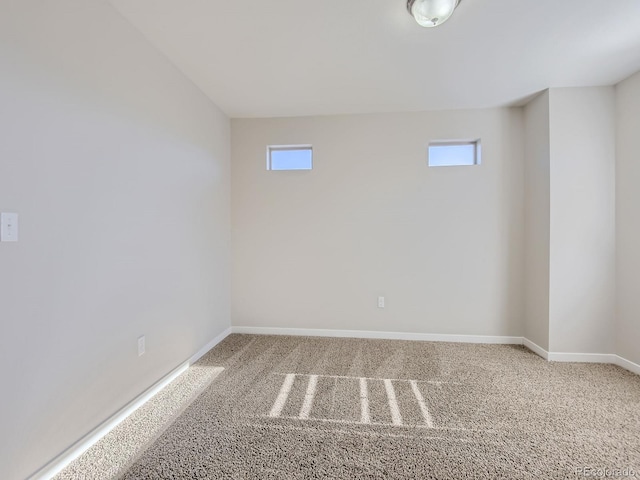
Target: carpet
x=302 y=408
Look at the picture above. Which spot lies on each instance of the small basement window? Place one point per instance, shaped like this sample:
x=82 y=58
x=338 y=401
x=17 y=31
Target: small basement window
x=289 y=157
x=454 y=153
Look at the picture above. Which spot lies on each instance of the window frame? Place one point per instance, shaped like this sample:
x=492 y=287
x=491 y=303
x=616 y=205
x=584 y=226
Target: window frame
x=284 y=148
x=477 y=156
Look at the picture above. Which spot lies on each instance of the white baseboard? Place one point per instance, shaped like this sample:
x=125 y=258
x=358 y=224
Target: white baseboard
x=627 y=364
x=535 y=348
x=425 y=337
x=74 y=451
x=200 y=353
x=568 y=357
x=581 y=357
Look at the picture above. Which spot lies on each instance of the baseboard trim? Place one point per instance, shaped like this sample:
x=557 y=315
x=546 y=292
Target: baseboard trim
x=56 y=465
x=608 y=358
x=627 y=364
x=535 y=348
x=200 y=353
x=425 y=337
x=581 y=357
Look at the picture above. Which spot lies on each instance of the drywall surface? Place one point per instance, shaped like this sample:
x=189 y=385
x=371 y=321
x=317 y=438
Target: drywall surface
x=628 y=218
x=444 y=246
x=582 y=222
x=119 y=169
x=537 y=211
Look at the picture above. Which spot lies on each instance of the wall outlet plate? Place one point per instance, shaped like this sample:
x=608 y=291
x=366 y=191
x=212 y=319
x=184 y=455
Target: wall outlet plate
x=8 y=227
x=141 y=346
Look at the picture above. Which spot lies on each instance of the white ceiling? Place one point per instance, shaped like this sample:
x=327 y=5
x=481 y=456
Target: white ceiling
x=260 y=58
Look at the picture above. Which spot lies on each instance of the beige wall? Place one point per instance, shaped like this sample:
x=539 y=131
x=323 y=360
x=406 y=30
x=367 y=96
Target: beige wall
x=628 y=219
x=119 y=169
x=444 y=245
x=582 y=222
x=570 y=220
x=537 y=211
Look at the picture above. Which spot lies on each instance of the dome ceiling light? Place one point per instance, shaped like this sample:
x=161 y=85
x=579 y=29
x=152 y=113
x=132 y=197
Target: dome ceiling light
x=431 y=13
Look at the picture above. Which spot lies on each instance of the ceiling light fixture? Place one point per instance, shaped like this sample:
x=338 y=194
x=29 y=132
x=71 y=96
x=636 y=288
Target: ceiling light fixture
x=431 y=13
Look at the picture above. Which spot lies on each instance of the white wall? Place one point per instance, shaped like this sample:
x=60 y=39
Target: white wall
x=537 y=211
x=628 y=218
x=119 y=169
x=582 y=222
x=443 y=245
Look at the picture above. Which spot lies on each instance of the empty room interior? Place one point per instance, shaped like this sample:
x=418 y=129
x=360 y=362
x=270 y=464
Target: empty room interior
x=319 y=239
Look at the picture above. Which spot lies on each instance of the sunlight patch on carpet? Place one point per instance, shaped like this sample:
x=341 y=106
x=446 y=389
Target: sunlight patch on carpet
x=357 y=392
x=119 y=448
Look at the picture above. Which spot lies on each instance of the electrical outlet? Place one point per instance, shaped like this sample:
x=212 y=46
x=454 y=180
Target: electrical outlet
x=141 y=346
x=8 y=227
x=380 y=302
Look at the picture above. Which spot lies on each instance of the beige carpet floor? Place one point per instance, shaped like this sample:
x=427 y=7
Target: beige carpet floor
x=299 y=407
x=113 y=453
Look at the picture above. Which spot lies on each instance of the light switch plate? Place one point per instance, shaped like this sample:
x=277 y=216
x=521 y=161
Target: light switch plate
x=8 y=227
